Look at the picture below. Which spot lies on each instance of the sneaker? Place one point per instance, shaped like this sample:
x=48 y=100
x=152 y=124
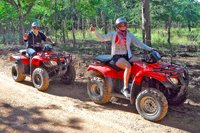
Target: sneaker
x=126 y=92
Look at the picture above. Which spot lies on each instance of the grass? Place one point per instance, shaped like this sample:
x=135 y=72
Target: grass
x=179 y=36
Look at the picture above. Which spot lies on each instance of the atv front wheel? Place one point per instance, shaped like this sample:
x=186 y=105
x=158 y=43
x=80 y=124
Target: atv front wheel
x=98 y=90
x=69 y=76
x=40 y=79
x=151 y=104
x=17 y=73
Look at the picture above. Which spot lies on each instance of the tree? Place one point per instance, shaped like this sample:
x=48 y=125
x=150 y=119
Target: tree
x=23 y=9
x=146 y=25
x=191 y=12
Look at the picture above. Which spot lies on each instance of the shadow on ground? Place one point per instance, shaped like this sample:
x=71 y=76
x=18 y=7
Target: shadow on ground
x=21 y=119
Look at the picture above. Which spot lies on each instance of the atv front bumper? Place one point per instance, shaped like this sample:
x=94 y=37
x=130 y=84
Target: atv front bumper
x=182 y=87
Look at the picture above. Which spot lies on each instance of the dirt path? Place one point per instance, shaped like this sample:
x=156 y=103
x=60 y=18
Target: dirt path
x=68 y=109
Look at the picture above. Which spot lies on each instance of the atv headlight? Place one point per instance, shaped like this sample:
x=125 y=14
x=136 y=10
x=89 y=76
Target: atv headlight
x=54 y=63
x=174 y=80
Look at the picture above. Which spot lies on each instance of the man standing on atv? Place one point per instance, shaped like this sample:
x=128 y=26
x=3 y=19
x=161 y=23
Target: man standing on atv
x=120 y=49
x=34 y=39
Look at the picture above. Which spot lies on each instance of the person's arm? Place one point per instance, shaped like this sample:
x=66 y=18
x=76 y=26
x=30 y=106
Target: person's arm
x=45 y=38
x=25 y=37
x=100 y=37
x=103 y=38
x=28 y=39
x=49 y=40
x=139 y=44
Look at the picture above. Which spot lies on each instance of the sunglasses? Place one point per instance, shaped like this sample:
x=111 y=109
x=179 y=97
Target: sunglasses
x=35 y=27
x=122 y=24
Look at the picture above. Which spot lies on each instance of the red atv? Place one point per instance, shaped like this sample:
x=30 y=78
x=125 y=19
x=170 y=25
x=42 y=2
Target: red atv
x=153 y=84
x=45 y=66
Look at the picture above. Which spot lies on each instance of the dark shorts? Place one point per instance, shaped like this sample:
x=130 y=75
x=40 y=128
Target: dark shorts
x=115 y=58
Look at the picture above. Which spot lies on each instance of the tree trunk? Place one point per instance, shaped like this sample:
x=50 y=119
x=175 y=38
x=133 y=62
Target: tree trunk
x=169 y=31
x=169 y=36
x=73 y=33
x=83 y=27
x=88 y=22
x=21 y=24
x=78 y=23
x=106 y=27
x=21 y=29
x=146 y=26
x=111 y=25
x=67 y=34
x=96 y=21
x=4 y=38
x=63 y=31
x=104 y=22
x=189 y=25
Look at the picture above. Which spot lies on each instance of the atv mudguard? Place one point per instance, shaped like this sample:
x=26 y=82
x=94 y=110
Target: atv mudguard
x=107 y=71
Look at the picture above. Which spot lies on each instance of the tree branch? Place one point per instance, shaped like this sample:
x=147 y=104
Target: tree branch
x=29 y=9
x=12 y=2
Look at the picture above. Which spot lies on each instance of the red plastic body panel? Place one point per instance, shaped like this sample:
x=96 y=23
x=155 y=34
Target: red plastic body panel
x=138 y=69
x=22 y=58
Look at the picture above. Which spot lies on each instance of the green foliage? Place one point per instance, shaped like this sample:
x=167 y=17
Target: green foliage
x=53 y=13
x=7 y=12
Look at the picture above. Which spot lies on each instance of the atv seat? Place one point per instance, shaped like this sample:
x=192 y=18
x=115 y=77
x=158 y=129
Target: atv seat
x=22 y=52
x=106 y=59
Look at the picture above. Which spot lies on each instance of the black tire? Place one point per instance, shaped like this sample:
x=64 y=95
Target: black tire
x=151 y=104
x=98 y=90
x=18 y=72
x=69 y=76
x=40 y=79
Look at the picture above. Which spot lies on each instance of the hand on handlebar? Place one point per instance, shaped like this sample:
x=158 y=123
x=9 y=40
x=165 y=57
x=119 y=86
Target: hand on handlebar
x=38 y=45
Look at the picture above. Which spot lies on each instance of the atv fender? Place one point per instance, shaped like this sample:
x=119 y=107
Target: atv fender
x=147 y=73
x=37 y=60
x=105 y=70
x=20 y=65
x=137 y=80
x=20 y=59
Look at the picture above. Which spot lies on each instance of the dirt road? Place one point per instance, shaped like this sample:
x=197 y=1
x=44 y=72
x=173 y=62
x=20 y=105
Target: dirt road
x=68 y=109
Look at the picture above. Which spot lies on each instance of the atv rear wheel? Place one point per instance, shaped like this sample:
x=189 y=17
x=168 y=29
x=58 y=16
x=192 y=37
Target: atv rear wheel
x=17 y=73
x=152 y=104
x=98 y=90
x=69 y=76
x=40 y=79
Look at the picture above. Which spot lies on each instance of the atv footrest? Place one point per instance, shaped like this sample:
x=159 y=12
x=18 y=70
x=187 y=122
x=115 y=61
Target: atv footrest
x=119 y=96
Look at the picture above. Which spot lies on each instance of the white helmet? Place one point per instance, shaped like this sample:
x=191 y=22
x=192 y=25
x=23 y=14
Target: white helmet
x=120 y=20
x=35 y=24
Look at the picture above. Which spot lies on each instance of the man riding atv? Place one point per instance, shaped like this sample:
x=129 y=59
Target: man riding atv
x=42 y=63
x=34 y=39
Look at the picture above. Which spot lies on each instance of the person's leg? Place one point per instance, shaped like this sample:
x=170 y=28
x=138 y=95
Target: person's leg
x=31 y=52
x=134 y=59
x=124 y=64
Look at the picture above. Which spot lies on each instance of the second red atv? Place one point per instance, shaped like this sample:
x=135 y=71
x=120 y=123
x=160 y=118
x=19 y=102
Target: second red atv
x=45 y=66
x=154 y=84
